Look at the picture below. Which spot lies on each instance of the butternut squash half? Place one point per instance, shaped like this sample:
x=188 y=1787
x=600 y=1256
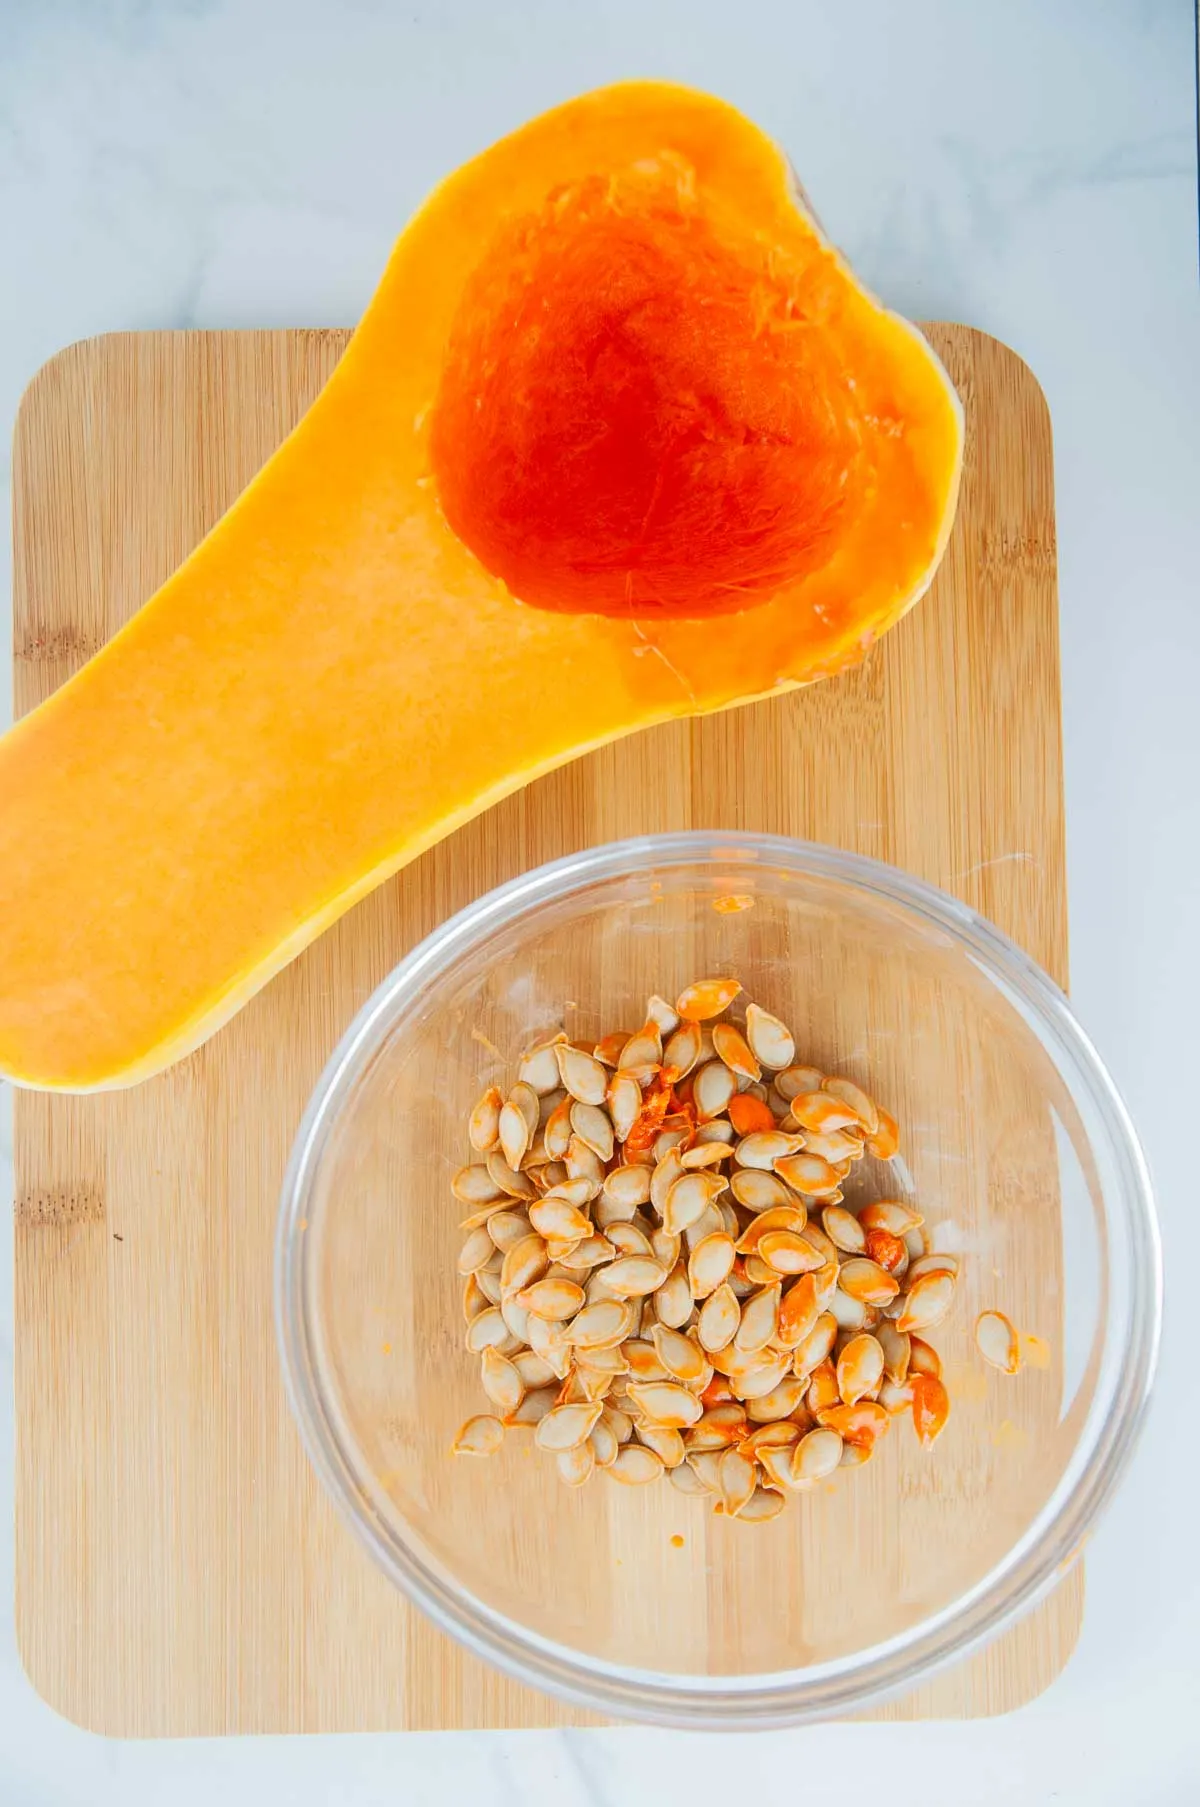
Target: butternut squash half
x=619 y=439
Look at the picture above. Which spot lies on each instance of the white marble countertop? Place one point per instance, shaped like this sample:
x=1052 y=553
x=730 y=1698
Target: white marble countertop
x=1028 y=167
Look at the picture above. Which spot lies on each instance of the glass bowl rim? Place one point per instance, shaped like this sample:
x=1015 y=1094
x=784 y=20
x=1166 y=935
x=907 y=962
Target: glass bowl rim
x=1035 y=1562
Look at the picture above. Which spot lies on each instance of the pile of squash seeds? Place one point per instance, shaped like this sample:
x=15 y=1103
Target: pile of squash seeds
x=662 y=1275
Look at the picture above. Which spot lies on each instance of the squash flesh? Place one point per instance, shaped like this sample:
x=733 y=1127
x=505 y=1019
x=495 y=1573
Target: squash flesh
x=641 y=413
x=336 y=678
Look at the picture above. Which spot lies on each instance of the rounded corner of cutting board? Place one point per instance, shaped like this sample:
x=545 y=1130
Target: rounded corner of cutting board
x=53 y=1685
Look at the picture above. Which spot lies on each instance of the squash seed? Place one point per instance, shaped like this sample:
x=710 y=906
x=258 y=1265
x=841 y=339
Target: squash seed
x=932 y=1264
x=821 y=1113
x=776 y=1217
x=535 y=1405
x=759 y=1318
x=930 y=1408
x=624 y=1105
x=929 y=1299
x=483 y=1125
x=475 y=1300
x=593 y=1127
x=476 y=1251
x=635 y=1465
x=506 y=1177
x=891 y=1215
x=628 y=1186
x=679 y=1355
x=603 y=1440
x=707 y=998
x=716 y=1131
x=860 y=1369
x=501 y=1381
x=844 y=1229
x=663 y=1015
x=514 y=1134
x=712 y=1088
x=711 y=1222
x=822 y=1388
x=719 y=1318
x=575 y=1465
x=487 y=1331
x=506 y=1227
x=737 y=1478
x=816 y=1456
x=600 y=1325
x=705 y=1465
x=583 y=1163
x=884 y=1141
x=593 y=1251
x=787 y=1253
x=775 y=1434
x=868 y=1283
x=479 y=1436
x=533 y=1369
x=760 y=1191
x=642 y=1050
x=554 y=1217
x=665 y=1248
x=643 y=1360
x=633 y=1276
x=687 y=1198
x=839 y=1147
x=710 y=1263
x=681 y=1052
x=630 y=1239
x=864 y=1107
x=665 y=1441
x=851 y=1313
x=608 y=1049
x=997 y=1341
x=666 y=1172
x=796 y=1082
x=897 y=1351
x=808 y=1174
x=475 y=1186
x=735 y=1051
x=749 y=1114
x=556 y=1131
x=685 y=1480
x=525 y=1262
x=553 y=1300
x=780 y=1401
x=764 y=1148
x=673 y=1300
x=767 y=1373
x=817 y=1345
x=665 y=1403
x=582 y=1074
x=771 y=1040
x=799 y=1312
x=703 y=1155
x=566 y=1426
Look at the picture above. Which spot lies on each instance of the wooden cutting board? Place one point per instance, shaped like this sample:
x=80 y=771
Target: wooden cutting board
x=178 y=1571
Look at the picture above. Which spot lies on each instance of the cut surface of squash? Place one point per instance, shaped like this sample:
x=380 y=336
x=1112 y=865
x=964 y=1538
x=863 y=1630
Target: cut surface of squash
x=619 y=439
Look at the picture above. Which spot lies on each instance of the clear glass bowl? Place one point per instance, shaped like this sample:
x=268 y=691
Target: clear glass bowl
x=1015 y=1146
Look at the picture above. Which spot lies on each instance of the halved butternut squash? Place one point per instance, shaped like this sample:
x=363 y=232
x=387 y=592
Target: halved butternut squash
x=614 y=384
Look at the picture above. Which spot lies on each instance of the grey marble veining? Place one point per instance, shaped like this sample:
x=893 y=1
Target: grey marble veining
x=1027 y=167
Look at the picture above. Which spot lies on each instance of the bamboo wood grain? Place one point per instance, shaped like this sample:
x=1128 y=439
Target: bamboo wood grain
x=178 y=1571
